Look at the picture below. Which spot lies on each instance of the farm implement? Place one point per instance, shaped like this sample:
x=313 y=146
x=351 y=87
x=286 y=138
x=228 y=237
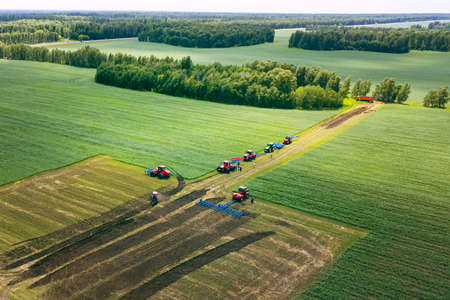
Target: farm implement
x=250 y=155
x=288 y=139
x=222 y=207
x=241 y=195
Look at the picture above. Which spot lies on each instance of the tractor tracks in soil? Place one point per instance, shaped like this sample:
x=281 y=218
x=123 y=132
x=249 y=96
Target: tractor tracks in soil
x=139 y=250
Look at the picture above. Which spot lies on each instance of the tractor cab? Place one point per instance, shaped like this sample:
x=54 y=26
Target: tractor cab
x=249 y=155
x=226 y=167
x=244 y=191
x=161 y=171
x=269 y=148
x=287 y=140
x=241 y=194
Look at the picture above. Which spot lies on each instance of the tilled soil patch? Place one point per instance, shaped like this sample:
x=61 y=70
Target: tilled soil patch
x=162 y=281
x=343 y=117
x=129 y=208
x=110 y=251
x=76 y=239
x=200 y=234
x=90 y=241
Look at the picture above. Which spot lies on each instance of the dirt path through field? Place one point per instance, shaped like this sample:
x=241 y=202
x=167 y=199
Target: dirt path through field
x=222 y=184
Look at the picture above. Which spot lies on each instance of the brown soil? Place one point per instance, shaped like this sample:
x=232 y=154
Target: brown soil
x=164 y=280
x=120 y=246
x=198 y=234
x=343 y=117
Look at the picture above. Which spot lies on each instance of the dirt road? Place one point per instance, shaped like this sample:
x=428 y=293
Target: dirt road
x=222 y=184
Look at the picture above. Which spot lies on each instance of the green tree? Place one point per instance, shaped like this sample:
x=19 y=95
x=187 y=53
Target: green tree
x=300 y=74
x=310 y=75
x=345 y=87
x=403 y=93
x=386 y=91
x=365 y=87
x=315 y=97
x=334 y=82
x=356 y=89
x=186 y=63
x=283 y=80
x=436 y=98
x=321 y=79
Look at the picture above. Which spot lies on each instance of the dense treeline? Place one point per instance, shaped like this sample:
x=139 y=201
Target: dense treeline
x=31 y=31
x=260 y=83
x=38 y=31
x=21 y=27
x=85 y=57
x=372 y=39
x=439 y=25
x=207 y=34
x=29 y=37
x=107 y=29
x=274 y=20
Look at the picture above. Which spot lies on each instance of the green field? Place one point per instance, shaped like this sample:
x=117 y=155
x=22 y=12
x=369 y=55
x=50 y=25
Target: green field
x=424 y=70
x=53 y=115
x=402 y=24
x=389 y=174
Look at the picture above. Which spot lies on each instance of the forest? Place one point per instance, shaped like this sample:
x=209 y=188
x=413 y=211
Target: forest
x=372 y=39
x=207 y=34
x=259 y=83
x=40 y=27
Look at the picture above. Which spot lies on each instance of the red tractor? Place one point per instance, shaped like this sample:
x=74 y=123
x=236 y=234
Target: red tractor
x=242 y=194
x=287 y=140
x=161 y=171
x=226 y=167
x=249 y=155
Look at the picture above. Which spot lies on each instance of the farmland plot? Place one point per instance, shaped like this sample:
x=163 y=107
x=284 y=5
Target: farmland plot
x=61 y=116
x=388 y=174
x=43 y=203
x=180 y=248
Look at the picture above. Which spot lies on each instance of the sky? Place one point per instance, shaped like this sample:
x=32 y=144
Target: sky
x=265 y=6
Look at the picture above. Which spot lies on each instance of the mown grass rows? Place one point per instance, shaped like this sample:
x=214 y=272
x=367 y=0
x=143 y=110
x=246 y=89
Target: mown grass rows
x=54 y=115
x=388 y=174
x=424 y=70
